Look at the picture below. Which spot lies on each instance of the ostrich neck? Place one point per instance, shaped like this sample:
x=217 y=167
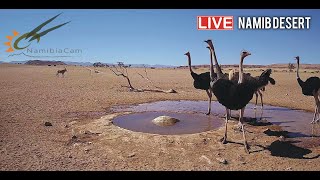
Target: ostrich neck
x=219 y=74
x=298 y=64
x=241 y=70
x=211 y=66
x=217 y=64
x=189 y=62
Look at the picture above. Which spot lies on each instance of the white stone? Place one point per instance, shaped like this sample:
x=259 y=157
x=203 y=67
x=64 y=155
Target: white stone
x=165 y=121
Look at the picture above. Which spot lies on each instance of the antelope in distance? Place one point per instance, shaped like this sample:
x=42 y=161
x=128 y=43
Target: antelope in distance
x=62 y=72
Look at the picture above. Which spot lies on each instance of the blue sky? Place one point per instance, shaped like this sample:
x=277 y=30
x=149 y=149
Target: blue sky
x=161 y=36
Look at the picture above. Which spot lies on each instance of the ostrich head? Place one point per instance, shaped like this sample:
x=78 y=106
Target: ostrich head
x=209 y=42
x=245 y=53
x=187 y=53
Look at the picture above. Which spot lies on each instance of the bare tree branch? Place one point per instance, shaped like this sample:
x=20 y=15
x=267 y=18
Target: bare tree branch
x=121 y=74
x=124 y=73
x=147 y=78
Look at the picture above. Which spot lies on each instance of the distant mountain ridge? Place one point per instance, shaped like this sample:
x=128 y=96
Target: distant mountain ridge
x=40 y=62
x=279 y=65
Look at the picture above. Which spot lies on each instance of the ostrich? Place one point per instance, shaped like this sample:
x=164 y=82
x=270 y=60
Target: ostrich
x=201 y=81
x=234 y=76
x=213 y=75
x=310 y=87
x=234 y=96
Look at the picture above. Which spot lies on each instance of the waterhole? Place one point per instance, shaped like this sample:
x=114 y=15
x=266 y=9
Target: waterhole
x=192 y=119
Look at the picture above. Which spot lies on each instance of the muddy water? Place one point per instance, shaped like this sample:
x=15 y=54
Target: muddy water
x=188 y=123
x=296 y=122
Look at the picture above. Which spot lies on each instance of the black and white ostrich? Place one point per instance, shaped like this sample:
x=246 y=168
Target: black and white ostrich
x=201 y=81
x=234 y=96
x=310 y=87
x=234 y=76
x=213 y=75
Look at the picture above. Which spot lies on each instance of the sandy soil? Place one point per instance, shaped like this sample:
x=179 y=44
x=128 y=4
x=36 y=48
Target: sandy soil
x=79 y=139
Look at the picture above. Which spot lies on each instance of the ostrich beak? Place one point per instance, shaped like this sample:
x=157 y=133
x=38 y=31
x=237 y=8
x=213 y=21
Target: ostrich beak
x=209 y=42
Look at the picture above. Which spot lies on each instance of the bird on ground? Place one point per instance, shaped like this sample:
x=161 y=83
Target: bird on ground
x=234 y=96
x=310 y=87
x=200 y=81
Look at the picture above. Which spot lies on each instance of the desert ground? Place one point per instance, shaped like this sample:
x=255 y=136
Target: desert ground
x=79 y=139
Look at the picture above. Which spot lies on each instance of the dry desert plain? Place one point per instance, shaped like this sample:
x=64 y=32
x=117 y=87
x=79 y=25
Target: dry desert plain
x=80 y=140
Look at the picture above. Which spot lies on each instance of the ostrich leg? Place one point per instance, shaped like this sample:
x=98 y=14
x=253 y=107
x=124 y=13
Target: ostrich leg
x=209 y=93
x=228 y=114
x=316 y=109
x=261 y=98
x=255 y=106
x=315 y=114
x=246 y=146
x=224 y=139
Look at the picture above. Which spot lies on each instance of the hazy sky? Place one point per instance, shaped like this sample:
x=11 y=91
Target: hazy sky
x=160 y=36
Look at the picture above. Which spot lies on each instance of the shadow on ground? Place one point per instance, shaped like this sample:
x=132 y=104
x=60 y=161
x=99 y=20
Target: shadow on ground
x=287 y=149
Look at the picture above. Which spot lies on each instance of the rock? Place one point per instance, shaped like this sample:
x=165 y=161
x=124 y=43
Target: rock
x=132 y=154
x=205 y=141
x=171 y=91
x=108 y=124
x=91 y=133
x=264 y=120
x=241 y=158
x=206 y=159
x=222 y=160
x=88 y=132
x=87 y=149
x=76 y=144
x=289 y=168
x=72 y=122
x=47 y=124
x=281 y=138
x=165 y=121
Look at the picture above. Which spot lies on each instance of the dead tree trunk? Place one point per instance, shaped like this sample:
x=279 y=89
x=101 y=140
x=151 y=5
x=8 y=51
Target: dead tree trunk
x=121 y=73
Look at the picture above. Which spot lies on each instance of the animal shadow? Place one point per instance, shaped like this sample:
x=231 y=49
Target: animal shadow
x=276 y=133
x=256 y=122
x=287 y=149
